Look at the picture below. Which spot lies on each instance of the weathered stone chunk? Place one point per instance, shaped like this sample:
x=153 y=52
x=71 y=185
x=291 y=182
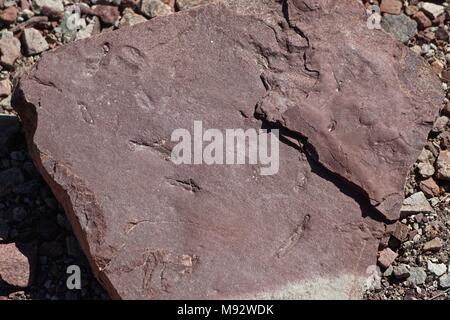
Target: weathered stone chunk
x=433 y=245
x=432 y=9
x=391 y=6
x=386 y=257
x=444 y=281
x=349 y=124
x=401 y=232
x=429 y=187
x=401 y=26
x=10 y=178
x=9 y=51
x=9 y=127
x=17 y=264
x=100 y=113
x=33 y=41
x=416 y=203
x=443 y=165
x=417 y=276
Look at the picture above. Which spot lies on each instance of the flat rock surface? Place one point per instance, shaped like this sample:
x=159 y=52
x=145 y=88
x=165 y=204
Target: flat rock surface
x=99 y=115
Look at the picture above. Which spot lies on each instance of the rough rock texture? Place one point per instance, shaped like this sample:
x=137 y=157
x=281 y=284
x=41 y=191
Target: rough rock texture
x=354 y=114
x=9 y=51
x=9 y=127
x=17 y=264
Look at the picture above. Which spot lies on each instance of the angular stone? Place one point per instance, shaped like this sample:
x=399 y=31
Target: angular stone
x=401 y=272
x=130 y=18
x=51 y=249
x=153 y=229
x=323 y=122
x=416 y=203
x=53 y=5
x=437 y=66
x=411 y=10
x=187 y=4
x=154 y=8
x=4 y=230
x=433 y=10
x=9 y=51
x=433 y=245
x=386 y=257
x=438 y=269
x=8 y=15
x=401 y=26
x=443 y=165
x=373 y=281
x=17 y=264
x=423 y=21
x=5 y=88
x=170 y=3
x=401 y=232
x=426 y=156
x=107 y=14
x=430 y=188
x=444 y=281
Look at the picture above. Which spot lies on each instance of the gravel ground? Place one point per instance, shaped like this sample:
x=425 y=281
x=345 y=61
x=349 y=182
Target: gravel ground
x=29 y=212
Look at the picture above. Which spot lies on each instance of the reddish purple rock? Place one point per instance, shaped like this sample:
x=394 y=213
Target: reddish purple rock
x=363 y=103
x=107 y=14
x=99 y=114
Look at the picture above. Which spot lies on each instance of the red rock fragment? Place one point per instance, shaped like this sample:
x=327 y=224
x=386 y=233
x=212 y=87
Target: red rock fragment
x=429 y=187
x=386 y=257
x=17 y=264
x=391 y=6
x=107 y=14
x=423 y=21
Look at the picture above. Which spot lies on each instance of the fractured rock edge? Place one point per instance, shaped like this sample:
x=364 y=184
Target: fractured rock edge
x=56 y=175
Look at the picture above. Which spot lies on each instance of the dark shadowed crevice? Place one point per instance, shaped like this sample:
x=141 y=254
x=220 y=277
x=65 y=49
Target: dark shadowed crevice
x=344 y=185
